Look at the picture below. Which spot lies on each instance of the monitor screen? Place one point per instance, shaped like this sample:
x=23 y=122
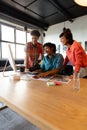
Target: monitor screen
x=11 y=59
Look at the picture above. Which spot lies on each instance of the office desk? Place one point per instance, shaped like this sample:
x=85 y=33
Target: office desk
x=49 y=108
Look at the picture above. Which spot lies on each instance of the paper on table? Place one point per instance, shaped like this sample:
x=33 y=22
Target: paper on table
x=61 y=78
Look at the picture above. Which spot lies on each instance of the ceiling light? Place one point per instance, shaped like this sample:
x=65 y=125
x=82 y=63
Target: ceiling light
x=81 y=2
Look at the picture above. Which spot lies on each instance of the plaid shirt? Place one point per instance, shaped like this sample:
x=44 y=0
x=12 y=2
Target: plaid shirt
x=34 y=52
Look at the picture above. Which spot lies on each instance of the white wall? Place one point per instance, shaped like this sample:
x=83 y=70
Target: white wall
x=78 y=28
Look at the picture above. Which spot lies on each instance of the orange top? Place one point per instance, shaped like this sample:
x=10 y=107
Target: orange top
x=34 y=52
x=76 y=55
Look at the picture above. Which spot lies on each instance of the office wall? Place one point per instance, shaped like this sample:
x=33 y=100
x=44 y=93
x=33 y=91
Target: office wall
x=78 y=28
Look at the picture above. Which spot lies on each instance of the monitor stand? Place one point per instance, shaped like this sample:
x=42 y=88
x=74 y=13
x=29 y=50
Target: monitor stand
x=12 y=74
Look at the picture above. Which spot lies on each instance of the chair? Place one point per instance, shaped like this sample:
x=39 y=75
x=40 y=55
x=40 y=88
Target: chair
x=68 y=70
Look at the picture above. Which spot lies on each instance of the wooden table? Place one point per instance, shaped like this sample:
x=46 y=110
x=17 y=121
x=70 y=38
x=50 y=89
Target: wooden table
x=48 y=107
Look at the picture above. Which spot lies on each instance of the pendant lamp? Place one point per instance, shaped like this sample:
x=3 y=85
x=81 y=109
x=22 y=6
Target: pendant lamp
x=81 y=2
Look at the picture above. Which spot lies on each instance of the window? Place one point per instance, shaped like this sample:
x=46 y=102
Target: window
x=16 y=37
x=20 y=37
x=86 y=45
x=7 y=33
x=20 y=51
x=5 y=49
x=28 y=37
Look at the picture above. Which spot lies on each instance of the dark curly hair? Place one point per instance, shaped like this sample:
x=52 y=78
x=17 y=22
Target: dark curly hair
x=35 y=33
x=51 y=45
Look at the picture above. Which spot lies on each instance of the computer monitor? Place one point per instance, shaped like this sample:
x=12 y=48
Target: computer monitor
x=11 y=59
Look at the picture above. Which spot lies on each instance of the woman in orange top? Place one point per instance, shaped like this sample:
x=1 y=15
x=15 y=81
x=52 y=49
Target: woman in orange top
x=74 y=53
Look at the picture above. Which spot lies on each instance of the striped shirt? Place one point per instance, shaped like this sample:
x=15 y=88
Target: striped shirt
x=34 y=52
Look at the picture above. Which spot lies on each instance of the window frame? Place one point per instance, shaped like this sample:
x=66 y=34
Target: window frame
x=16 y=43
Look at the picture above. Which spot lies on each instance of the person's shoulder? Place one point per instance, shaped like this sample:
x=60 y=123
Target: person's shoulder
x=59 y=54
x=76 y=44
x=29 y=43
x=39 y=43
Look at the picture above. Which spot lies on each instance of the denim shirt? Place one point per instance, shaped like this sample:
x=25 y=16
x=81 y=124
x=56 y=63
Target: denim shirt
x=56 y=61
